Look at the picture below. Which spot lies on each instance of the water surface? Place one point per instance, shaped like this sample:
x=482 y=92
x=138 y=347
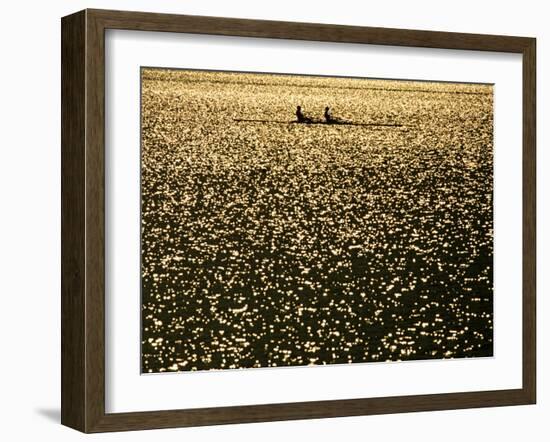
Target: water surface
x=269 y=243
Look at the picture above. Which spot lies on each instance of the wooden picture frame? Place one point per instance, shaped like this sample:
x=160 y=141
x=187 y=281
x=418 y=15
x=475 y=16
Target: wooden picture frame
x=83 y=217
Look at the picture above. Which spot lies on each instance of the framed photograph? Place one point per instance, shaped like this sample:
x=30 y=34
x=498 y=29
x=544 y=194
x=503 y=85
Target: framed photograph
x=267 y=221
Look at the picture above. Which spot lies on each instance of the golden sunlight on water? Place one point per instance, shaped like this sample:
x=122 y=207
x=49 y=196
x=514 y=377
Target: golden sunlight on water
x=269 y=243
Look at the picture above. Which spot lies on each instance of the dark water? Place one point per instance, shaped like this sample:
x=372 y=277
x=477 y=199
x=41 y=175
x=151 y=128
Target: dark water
x=277 y=244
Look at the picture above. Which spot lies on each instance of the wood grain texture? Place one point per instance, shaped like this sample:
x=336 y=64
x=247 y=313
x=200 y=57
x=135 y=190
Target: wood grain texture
x=143 y=21
x=73 y=129
x=83 y=217
x=529 y=220
x=307 y=410
x=95 y=221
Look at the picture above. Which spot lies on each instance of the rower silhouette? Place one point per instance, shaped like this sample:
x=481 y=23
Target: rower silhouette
x=328 y=116
x=330 y=119
x=300 y=117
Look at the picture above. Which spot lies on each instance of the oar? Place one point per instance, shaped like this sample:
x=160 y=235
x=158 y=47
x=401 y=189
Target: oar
x=340 y=123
